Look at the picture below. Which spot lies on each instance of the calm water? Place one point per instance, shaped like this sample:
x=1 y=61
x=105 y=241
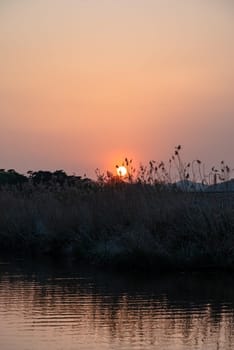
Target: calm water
x=56 y=307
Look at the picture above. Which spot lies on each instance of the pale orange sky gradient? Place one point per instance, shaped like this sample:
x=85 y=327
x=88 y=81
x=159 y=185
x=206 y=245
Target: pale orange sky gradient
x=84 y=83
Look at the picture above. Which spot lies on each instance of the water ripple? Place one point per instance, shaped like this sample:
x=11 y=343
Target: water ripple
x=88 y=310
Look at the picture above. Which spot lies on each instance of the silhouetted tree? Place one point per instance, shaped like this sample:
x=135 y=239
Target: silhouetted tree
x=11 y=177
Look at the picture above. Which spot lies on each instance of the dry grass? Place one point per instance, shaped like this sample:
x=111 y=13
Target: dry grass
x=122 y=224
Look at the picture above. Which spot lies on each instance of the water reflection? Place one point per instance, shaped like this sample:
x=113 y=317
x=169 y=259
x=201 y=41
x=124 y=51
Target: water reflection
x=71 y=308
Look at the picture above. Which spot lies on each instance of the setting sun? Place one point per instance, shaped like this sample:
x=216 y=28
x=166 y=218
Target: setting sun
x=121 y=171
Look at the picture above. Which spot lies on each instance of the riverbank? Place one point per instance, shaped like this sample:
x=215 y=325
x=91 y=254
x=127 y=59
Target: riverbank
x=123 y=226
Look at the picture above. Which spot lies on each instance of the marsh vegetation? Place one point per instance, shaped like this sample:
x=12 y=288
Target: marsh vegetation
x=142 y=221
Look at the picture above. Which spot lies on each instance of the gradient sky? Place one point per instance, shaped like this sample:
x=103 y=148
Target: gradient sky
x=84 y=83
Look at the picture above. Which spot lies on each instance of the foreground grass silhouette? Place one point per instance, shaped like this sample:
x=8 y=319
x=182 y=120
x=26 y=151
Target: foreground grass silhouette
x=154 y=217
x=121 y=225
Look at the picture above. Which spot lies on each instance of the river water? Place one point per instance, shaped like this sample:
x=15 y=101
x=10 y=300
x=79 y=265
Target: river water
x=59 y=306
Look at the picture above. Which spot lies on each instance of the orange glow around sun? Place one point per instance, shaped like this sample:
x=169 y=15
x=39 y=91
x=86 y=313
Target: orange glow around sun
x=121 y=171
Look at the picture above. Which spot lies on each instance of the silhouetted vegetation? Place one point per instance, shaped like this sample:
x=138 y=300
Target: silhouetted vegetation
x=142 y=220
x=11 y=177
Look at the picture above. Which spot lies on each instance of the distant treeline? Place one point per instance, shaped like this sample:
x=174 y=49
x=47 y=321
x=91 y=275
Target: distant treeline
x=174 y=175
x=45 y=177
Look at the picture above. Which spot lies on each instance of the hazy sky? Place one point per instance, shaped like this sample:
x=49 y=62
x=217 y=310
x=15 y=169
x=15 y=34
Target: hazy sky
x=84 y=83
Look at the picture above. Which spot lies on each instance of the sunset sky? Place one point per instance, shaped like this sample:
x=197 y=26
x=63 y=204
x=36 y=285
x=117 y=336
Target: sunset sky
x=84 y=83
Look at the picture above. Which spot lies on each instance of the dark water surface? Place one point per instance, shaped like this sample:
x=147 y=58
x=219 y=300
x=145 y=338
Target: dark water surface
x=66 y=307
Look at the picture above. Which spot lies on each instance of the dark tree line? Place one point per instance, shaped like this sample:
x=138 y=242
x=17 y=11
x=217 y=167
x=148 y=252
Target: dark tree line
x=45 y=177
x=11 y=177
